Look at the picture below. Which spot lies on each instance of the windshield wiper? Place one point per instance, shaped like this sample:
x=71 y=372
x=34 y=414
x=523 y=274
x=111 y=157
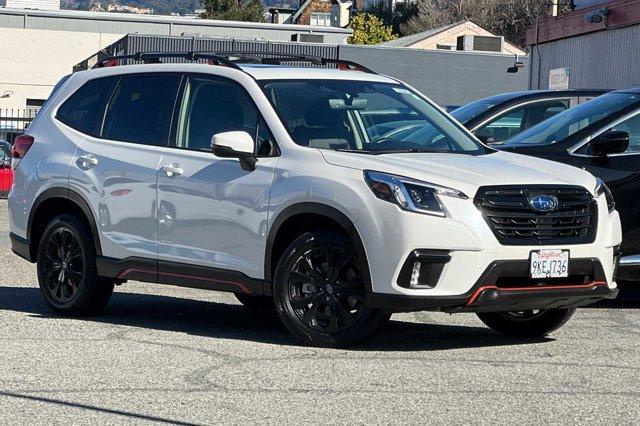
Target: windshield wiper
x=411 y=150
x=355 y=151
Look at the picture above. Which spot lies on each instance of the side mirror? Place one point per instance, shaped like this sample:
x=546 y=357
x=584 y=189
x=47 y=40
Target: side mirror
x=235 y=145
x=610 y=142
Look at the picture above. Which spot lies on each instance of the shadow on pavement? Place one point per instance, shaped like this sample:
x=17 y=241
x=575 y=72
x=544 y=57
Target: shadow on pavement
x=219 y=320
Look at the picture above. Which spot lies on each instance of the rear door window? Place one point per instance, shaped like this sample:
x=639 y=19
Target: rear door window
x=141 y=108
x=83 y=110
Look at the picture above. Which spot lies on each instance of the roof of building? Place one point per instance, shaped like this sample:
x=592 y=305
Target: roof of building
x=410 y=40
x=124 y=23
x=415 y=38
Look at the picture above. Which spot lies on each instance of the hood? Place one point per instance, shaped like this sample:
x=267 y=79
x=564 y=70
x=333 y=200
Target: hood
x=467 y=173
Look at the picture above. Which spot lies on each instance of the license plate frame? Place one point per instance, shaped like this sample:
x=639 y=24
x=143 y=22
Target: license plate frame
x=549 y=263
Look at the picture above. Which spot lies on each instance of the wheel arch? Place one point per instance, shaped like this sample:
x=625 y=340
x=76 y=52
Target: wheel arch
x=45 y=205
x=311 y=209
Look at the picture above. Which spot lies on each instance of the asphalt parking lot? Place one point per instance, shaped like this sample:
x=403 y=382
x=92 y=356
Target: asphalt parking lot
x=168 y=354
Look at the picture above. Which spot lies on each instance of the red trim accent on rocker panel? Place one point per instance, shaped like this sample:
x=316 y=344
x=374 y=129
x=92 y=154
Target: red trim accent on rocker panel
x=126 y=272
x=479 y=291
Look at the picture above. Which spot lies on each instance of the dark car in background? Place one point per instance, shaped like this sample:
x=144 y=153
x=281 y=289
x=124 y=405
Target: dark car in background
x=601 y=136
x=6 y=173
x=497 y=118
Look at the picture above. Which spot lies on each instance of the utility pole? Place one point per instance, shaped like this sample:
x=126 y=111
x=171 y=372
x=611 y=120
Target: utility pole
x=554 y=7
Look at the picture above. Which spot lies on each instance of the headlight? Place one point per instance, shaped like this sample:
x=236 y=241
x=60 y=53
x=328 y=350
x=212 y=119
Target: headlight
x=410 y=194
x=602 y=188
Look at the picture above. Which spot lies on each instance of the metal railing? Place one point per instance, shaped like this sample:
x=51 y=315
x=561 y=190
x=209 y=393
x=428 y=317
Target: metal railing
x=14 y=121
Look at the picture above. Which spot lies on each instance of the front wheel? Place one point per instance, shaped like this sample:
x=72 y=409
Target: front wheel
x=319 y=292
x=527 y=324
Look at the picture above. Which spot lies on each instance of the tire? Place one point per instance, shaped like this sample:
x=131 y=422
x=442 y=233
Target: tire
x=68 y=278
x=319 y=292
x=528 y=324
x=258 y=303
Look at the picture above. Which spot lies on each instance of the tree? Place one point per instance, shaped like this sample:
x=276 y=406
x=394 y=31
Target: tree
x=508 y=18
x=397 y=17
x=234 y=10
x=369 y=29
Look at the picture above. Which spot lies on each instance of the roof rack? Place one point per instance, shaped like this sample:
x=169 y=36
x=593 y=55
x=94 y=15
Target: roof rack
x=232 y=59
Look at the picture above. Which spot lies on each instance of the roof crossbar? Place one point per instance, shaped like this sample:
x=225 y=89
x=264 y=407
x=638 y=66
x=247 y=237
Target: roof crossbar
x=232 y=59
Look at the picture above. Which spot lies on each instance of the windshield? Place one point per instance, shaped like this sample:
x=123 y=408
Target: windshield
x=365 y=117
x=573 y=120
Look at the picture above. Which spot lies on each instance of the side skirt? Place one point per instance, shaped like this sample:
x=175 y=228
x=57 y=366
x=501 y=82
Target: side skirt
x=181 y=274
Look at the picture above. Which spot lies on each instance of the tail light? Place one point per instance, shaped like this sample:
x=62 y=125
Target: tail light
x=21 y=145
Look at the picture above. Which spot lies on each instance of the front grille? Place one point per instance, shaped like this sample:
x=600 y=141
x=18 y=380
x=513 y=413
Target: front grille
x=514 y=222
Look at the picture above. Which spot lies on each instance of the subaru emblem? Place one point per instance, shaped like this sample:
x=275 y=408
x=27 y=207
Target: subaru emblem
x=544 y=203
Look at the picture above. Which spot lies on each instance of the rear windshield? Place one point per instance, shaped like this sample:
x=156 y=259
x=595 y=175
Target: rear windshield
x=573 y=120
x=365 y=117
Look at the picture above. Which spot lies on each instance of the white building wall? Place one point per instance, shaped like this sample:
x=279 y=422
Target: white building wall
x=34 y=4
x=33 y=61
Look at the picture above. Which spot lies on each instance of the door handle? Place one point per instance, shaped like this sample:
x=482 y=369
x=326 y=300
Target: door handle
x=172 y=170
x=87 y=162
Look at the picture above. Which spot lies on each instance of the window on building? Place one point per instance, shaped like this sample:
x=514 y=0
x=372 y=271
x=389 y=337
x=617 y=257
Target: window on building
x=140 y=110
x=33 y=106
x=321 y=19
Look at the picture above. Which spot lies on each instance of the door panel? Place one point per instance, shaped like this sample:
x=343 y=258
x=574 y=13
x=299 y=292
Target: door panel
x=121 y=193
x=117 y=169
x=211 y=212
x=621 y=173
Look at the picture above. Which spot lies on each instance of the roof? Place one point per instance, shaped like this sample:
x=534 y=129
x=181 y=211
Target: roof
x=414 y=38
x=108 y=22
x=632 y=89
x=257 y=72
x=271 y=72
x=292 y=19
x=540 y=94
x=410 y=40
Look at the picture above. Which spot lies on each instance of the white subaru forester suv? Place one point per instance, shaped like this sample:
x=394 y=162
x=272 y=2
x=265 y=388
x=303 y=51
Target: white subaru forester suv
x=340 y=195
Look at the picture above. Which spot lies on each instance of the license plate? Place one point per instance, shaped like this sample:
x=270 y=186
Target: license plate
x=549 y=264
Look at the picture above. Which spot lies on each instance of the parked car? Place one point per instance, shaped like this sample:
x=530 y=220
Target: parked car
x=497 y=118
x=601 y=136
x=6 y=173
x=289 y=185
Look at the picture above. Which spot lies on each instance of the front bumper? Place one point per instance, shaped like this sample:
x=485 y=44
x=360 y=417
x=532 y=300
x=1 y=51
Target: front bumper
x=505 y=286
x=494 y=299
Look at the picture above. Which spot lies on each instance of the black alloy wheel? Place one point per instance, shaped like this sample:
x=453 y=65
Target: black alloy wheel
x=325 y=289
x=67 y=272
x=319 y=291
x=63 y=265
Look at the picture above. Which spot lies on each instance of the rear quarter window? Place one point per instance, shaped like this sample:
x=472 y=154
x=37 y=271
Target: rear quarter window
x=84 y=109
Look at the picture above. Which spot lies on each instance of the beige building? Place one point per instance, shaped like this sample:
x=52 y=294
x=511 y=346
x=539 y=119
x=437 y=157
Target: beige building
x=39 y=47
x=465 y=35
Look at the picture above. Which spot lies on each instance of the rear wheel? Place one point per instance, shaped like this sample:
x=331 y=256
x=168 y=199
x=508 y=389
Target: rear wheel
x=67 y=272
x=527 y=323
x=319 y=292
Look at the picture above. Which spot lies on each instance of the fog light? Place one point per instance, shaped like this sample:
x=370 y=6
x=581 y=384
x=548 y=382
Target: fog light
x=422 y=268
x=415 y=274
